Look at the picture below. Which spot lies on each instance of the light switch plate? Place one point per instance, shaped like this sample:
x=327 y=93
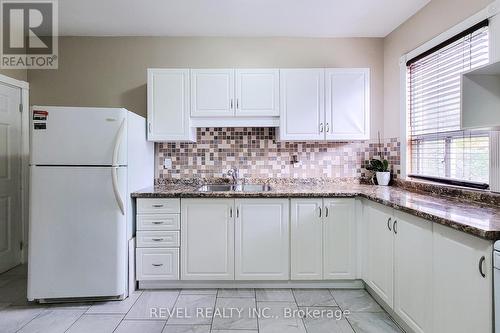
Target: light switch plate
x=167 y=163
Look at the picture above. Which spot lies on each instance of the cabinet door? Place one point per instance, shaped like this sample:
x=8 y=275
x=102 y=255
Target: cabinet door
x=413 y=271
x=257 y=92
x=262 y=239
x=306 y=239
x=212 y=92
x=347 y=104
x=302 y=114
x=168 y=105
x=207 y=239
x=339 y=239
x=380 y=251
x=462 y=299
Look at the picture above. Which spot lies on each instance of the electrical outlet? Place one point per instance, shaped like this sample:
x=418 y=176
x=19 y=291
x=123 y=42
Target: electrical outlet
x=167 y=163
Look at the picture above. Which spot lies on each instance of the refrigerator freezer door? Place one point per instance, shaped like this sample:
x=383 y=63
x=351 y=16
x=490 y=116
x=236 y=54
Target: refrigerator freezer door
x=78 y=136
x=77 y=234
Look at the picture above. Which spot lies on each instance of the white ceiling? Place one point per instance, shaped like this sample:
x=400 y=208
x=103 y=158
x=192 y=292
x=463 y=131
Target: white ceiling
x=289 y=18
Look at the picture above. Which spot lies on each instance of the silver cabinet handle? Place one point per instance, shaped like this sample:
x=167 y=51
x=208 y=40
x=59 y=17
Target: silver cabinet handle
x=389 y=223
x=237 y=103
x=230 y=212
x=394 y=227
x=326 y=211
x=327 y=127
x=319 y=211
x=231 y=103
x=481 y=262
x=149 y=126
x=157 y=222
x=237 y=212
x=321 y=129
x=157 y=265
x=157 y=239
x=157 y=206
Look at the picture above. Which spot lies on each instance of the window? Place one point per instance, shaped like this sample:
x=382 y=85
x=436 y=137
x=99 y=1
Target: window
x=438 y=149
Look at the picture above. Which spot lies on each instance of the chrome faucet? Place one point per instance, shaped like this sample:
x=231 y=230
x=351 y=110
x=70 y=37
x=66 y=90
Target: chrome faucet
x=234 y=174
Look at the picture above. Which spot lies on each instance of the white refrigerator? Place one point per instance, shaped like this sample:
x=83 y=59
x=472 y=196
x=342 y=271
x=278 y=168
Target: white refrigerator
x=84 y=164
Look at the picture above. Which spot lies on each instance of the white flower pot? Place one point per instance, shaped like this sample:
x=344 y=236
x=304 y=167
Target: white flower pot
x=383 y=178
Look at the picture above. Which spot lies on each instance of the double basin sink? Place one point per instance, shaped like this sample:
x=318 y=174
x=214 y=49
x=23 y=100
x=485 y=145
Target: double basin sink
x=235 y=188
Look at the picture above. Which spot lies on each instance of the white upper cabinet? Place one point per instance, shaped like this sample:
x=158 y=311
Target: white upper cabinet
x=462 y=282
x=347 y=104
x=325 y=104
x=212 y=92
x=257 y=92
x=262 y=239
x=168 y=105
x=302 y=115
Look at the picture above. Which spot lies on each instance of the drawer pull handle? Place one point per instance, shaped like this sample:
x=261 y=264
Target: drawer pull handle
x=157 y=206
x=481 y=262
x=157 y=222
x=326 y=211
x=157 y=265
x=389 y=224
x=394 y=227
x=157 y=239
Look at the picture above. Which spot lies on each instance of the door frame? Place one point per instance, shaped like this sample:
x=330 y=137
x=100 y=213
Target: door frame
x=25 y=151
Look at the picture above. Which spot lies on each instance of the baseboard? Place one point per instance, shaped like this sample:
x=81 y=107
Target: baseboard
x=341 y=284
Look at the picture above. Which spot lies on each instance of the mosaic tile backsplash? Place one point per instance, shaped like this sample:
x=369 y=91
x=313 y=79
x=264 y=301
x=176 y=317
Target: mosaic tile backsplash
x=257 y=154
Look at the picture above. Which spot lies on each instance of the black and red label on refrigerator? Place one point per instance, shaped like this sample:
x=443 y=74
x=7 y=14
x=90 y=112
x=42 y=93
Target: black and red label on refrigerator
x=40 y=115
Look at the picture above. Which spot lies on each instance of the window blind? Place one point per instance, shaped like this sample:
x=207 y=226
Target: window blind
x=438 y=148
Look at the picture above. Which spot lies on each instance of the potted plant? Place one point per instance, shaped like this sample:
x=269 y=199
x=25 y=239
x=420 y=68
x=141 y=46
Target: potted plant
x=381 y=169
x=380 y=166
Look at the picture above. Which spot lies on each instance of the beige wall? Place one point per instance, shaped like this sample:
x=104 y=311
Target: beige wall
x=435 y=18
x=111 y=71
x=19 y=74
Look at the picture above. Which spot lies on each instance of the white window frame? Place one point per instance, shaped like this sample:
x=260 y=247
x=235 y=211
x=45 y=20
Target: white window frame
x=491 y=12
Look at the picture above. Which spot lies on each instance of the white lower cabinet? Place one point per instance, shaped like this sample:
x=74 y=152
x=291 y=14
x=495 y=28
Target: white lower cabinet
x=413 y=271
x=462 y=282
x=323 y=239
x=207 y=239
x=380 y=251
x=262 y=239
x=157 y=264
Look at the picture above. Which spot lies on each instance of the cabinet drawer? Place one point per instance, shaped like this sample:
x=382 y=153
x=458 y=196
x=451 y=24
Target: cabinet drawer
x=158 y=222
x=157 y=239
x=154 y=205
x=157 y=264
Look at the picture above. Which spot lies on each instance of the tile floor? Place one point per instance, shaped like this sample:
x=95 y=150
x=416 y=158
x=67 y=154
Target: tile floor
x=279 y=311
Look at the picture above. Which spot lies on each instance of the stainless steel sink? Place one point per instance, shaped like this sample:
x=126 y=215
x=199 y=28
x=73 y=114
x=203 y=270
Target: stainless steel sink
x=235 y=188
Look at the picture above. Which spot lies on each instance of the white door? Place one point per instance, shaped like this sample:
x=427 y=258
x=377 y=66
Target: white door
x=262 y=239
x=212 y=92
x=413 y=271
x=168 y=105
x=207 y=239
x=381 y=251
x=77 y=233
x=306 y=239
x=347 y=104
x=462 y=299
x=302 y=102
x=339 y=239
x=78 y=136
x=10 y=177
x=257 y=92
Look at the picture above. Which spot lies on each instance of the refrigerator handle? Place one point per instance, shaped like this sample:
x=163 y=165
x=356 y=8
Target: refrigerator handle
x=116 y=190
x=118 y=141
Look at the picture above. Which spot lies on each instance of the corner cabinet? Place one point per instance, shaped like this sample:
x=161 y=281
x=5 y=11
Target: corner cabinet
x=168 y=105
x=325 y=104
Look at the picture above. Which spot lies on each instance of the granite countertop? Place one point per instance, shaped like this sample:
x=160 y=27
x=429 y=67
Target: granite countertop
x=482 y=220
